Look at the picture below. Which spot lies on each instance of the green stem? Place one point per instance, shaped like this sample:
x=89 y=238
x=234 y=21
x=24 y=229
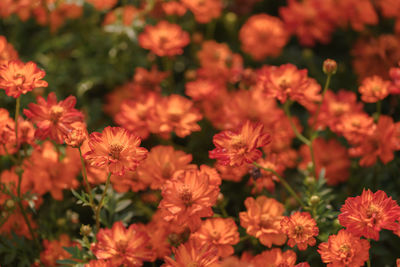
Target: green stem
x=286 y=108
x=284 y=183
x=369 y=258
x=101 y=202
x=244 y=238
x=84 y=174
x=17 y=108
x=328 y=81
x=211 y=29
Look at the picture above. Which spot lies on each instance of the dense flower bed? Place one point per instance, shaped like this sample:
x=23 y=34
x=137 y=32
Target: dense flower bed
x=208 y=133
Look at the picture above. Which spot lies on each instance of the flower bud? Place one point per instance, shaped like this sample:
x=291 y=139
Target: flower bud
x=314 y=200
x=329 y=67
x=10 y=203
x=75 y=138
x=86 y=230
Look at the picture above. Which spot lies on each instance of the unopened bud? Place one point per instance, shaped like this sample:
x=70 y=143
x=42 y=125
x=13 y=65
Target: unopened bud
x=10 y=203
x=309 y=180
x=86 y=230
x=197 y=38
x=329 y=67
x=61 y=222
x=314 y=200
x=75 y=138
x=220 y=198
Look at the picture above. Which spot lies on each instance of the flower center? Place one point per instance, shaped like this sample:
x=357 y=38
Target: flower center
x=298 y=231
x=266 y=221
x=19 y=79
x=115 y=151
x=186 y=196
x=55 y=113
x=345 y=253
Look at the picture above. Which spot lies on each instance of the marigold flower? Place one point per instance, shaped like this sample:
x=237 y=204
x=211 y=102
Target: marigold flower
x=18 y=78
x=344 y=249
x=187 y=197
x=262 y=220
x=149 y=80
x=220 y=232
x=355 y=126
x=115 y=148
x=7 y=51
x=192 y=254
x=381 y=143
x=263 y=35
x=122 y=246
x=370 y=56
x=300 y=228
x=54 y=250
x=133 y=114
x=310 y=20
x=288 y=82
x=219 y=63
x=231 y=174
x=53 y=119
x=276 y=257
x=174 y=113
x=204 y=10
x=161 y=163
x=369 y=213
x=374 y=89
x=329 y=155
x=7 y=133
x=237 y=148
x=164 y=39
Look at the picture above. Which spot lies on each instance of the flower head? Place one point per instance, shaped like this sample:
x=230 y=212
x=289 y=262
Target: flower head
x=221 y=233
x=204 y=10
x=236 y=148
x=53 y=119
x=115 y=148
x=187 y=197
x=344 y=249
x=123 y=246
x=368 y=214
x=263 y=35
x=374 y=89
x=18 y=78
x=164 y=39
x=54 y=250
x=300 y=228
x=262 y=220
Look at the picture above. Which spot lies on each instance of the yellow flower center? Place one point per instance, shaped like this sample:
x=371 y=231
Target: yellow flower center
x=55 y=113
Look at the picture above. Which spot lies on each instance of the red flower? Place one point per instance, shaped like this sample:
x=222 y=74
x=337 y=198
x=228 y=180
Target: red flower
x=300 y=228
x=236 y=148
x=116 y=148
x=18 y=78
x=53 y=119
x=369 y=213
x=344 y=249
x=123 y=246
x=374 y=89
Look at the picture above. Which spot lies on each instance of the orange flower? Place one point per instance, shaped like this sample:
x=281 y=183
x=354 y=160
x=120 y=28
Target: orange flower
x=231 y=174
x=333 y=107
x=370 y=56
x=77 y=136
x=369 y=213
x=7 y=133
x=7 y=51
x=164 y=39
x=263 y=35
x=381 y=143
x=204 y=10
x=98 y=263
x=174 y=8
x=53 y=119
x=300 y=228
x=202 y=89
x=187 y=197
x=149 y=80
x=192 y=254
x=276 y=257
x=310 y=20
x=133 y=114
x=222 y=233
x=54 y=250
x=18 y=78
x=286 y=81
x=374 y=89
x=124 y=15
x=161 y=163
x=15 y=224
x=265 y=179
x=395 y=81
x=355 y=127
x=115 y=148
x=102 y=4
x=174 y=113
x=47 y=173
x=237 y=148
x=344 y=250
x=329 y=155
x=122 y=246
x=219 y=63
x=358 y=13
x=262 y=220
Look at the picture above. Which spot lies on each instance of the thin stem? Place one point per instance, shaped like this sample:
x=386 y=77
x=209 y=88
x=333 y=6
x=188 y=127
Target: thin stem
x=101 y=202
x=285 y=184
x=328 y=81
x=301 y=137
x=84 y=174
x=223 y=210
x=244 y=238
x=17 y=108
x=21 y=207
x=369 y=259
